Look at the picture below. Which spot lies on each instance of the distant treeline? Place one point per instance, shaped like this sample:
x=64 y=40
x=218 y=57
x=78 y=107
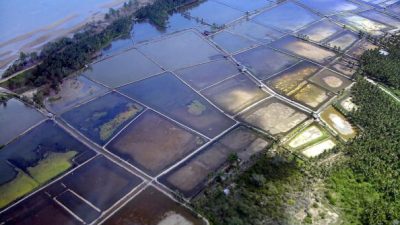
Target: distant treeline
x=159 y=12
x=383 y=67
x=67 y=55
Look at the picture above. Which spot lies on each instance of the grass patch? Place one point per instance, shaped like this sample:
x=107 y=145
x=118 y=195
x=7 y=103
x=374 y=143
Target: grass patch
x=108 y=129
x=53 y=165
x=350 y=194
x=15 y=189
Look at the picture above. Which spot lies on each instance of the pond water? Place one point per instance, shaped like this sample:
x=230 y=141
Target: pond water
x=103 y=117
x=382 y=18
x=144 y=31
x=72 y=92
x=192 y=175
x=287 y=16
x=255 y=31
x=180 y=50
x=15 y=118
x=321 y=30
x=214 y=13
x=273 y=116
x=204 y=75
x=167 y=94
x=152 y=207
x=361 y=23
x=35 y=158
x=235 y=94
x=344 y=40
x=245 y=5
x=304 y=49
x=232 y=43
x=153 y=143
x=328 y=7
x=123 y=68
x=264 y=62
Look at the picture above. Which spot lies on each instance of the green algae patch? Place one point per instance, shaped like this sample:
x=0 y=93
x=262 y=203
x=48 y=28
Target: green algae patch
x=51 y=166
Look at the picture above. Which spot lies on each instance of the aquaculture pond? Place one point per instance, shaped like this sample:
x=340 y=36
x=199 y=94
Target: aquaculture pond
x=145 y=30
x=101 y=182
x=180 y=50
x=153 y=143
x=254 y=31
x=304 y=49
x=382 y=18
x=191 y=176
x=38 y=209
x=321 y=30
x=345 y=65
x=245 y=5
x=232 y=43
x=214 y=13
x=290 y=79
x=204 y=75
x=123 y=68
x=331 y=80
x=264 y=62
x=329 y=7
x=273 y=116
x=117 y=46
x=152 y=207
x=344 y=40
x=338 y=122
x=360 y=23
x=15 y=118
x=235 y=94
x=80 y=197
x=73 y=91
x=35 y=158
x=311 y=96
x=360 y=47
x=287 y=16
x=170 y=96
x=101 y=118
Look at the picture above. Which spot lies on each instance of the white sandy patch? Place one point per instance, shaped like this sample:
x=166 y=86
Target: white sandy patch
x=333 y=81
x=172 y=218
x=348 y=105
x=310 y=134
x=343 y=126
x=319 y=148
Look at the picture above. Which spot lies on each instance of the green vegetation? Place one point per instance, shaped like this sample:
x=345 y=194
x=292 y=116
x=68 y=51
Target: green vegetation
x=51 y=166
x=381 y=67
x=373 y=166
x=21 y=185
x=31 y=178
x=158 y=13
x=4 y=98
x=108 y=129
x=61 y=58
x=262 y=193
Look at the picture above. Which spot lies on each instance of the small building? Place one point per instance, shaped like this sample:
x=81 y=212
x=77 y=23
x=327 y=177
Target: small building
x=383 y=52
